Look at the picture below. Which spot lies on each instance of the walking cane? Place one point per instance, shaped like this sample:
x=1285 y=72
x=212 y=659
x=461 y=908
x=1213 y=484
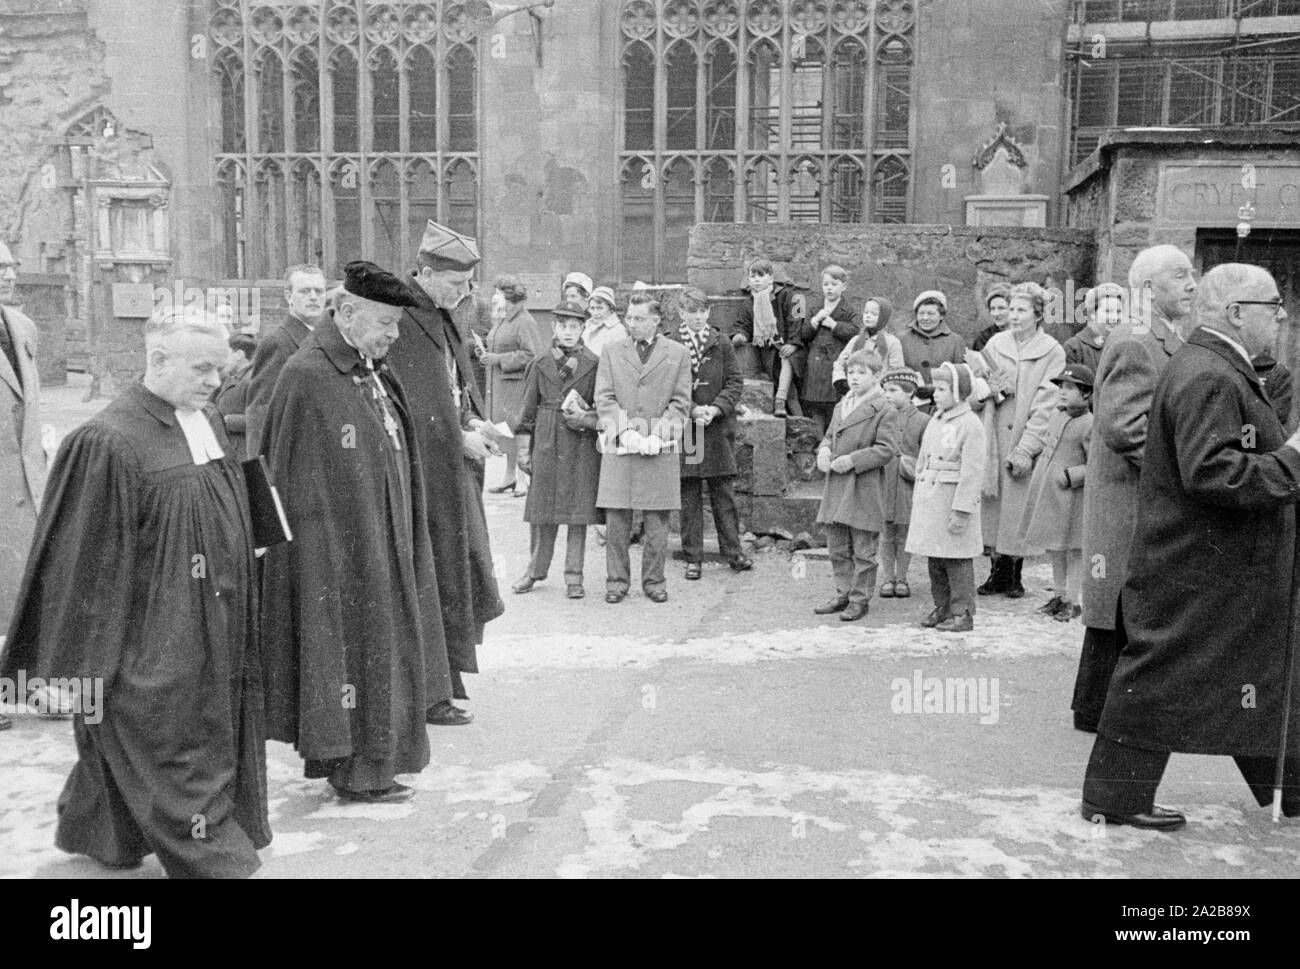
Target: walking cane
x=1293 y=629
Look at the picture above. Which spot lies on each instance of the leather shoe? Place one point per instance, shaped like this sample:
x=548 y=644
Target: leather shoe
x=393 y=795
x=854 y=612
x=887 y=590
x=574 y=591
x=832 y=606
x=508 y=486
x=446 y=714
x=902 y=590
x=957 y=624
x=936 y=616
x=614 y=598
x=524 y=585
x=1157 y=819
x=741 y=563
x=693 y=570
x=657 y=595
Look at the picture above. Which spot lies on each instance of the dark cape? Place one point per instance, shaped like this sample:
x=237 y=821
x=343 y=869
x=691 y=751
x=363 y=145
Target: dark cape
x=467 y=584
x=142 y=574
x=350 y=606
x=1207 y=597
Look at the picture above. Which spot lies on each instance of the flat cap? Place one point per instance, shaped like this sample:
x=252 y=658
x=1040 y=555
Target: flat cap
x=447 y=249
x=1077 y=374
x=570 y=308
x=368 y=281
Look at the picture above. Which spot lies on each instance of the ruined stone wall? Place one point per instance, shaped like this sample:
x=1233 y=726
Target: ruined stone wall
x=51 y=73
x=896 y=261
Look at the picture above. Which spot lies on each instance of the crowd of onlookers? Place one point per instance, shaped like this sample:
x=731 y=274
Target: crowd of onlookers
x=931 y=446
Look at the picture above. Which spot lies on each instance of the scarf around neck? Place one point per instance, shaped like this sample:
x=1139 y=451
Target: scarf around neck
x=694 y=343
x=764 y=318
x=566 y=357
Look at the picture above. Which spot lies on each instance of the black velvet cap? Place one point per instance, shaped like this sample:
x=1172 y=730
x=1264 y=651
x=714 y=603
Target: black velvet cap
x=368 y=281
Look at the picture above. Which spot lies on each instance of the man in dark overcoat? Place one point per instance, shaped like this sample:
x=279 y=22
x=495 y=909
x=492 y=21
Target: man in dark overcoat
x=1207 y=598
x=434 y=363
x=710 y=457
x=1134 y=356
x=304 y=291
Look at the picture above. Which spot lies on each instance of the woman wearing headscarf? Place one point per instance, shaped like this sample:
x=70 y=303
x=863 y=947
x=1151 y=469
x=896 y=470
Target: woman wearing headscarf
x=1022 y=361
x=510 y=347
x=875 y=336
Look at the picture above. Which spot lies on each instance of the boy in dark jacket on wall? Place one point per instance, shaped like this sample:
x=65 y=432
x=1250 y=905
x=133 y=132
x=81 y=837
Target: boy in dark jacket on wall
x=825 y=335
x=768 y=324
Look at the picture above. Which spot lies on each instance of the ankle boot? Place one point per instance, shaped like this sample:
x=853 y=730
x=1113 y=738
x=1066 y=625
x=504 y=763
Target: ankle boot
x=997 y=581
x=1014 y=589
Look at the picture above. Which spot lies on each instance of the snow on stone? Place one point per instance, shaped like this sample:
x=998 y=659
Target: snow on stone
x=510 y=783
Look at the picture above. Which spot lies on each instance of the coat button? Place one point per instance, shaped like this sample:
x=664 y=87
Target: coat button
x=20 y=501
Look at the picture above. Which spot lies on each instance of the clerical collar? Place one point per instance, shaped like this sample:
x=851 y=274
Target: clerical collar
x=198 y=435
x=1234 y=344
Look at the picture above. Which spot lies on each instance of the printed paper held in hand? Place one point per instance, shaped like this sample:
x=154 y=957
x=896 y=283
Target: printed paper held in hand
x=573 y=404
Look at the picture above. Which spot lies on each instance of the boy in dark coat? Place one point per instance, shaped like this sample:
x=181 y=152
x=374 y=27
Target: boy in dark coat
x=825 y=335
x=899 y=385
x=768 y=324
x=861 y=441
x=558 y=411
x=716 y=385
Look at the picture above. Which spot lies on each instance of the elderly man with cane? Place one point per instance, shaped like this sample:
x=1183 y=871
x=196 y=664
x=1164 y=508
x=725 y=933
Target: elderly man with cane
x=1208 y=598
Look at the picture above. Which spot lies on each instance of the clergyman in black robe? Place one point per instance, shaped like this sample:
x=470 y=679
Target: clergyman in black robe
x=141 y=576
x=435 y=366
x=354 y=648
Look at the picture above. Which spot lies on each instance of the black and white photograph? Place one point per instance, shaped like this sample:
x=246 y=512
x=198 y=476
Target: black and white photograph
x=651 y=439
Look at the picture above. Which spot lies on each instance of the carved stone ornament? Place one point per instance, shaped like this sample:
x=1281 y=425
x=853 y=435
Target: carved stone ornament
x=1001 y=141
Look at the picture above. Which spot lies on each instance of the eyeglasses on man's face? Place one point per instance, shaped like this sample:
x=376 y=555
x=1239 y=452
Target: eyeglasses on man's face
x=1275 y=303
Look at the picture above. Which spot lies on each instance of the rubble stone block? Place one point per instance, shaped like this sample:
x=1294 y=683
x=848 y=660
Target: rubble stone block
x=764 y=437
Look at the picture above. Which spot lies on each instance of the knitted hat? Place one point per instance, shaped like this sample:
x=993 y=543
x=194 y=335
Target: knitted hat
x=930 y=294
x=957 y=374
x=606 y=294
x=901 y=375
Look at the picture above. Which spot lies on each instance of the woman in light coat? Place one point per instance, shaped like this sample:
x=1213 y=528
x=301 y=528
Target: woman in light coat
x=1022 y=362
x=510 y=347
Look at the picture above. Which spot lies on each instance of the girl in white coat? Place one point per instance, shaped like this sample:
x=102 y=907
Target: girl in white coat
x=945 y=524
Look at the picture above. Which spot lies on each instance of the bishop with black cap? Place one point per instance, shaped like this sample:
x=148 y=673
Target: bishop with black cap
x=433 y=360
x=354 y=651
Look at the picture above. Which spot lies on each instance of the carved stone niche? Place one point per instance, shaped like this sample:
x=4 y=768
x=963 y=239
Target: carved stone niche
x=1001 y=166
x=132 y=231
